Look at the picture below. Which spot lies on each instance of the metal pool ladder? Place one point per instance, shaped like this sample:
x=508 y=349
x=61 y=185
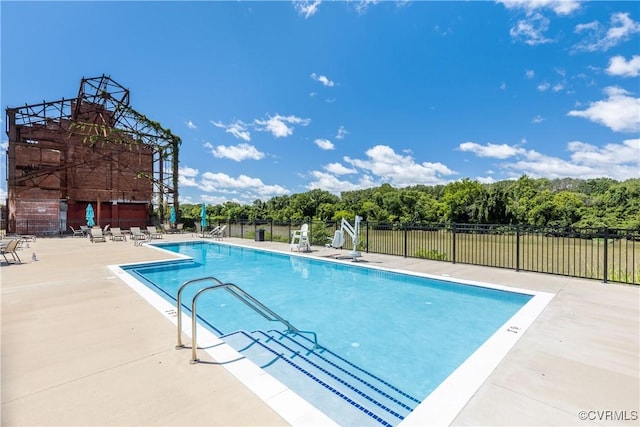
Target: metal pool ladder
x=240 y=294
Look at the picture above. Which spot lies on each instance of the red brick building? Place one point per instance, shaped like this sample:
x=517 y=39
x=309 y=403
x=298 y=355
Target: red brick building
x=92 y=149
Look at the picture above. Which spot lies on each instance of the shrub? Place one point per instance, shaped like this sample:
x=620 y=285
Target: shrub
x=431 y=254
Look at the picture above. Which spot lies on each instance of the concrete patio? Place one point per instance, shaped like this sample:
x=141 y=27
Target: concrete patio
x=80 y=347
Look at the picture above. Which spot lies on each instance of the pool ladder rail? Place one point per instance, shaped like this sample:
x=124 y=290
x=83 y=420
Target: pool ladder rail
x=241 y=295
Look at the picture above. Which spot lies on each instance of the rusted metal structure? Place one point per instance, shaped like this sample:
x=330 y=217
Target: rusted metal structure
x=94 y=148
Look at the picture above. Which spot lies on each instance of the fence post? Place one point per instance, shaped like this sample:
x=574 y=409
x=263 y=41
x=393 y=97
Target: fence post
x=271 y=229
x=517 y=247
x=605 y=266
x=453 y=242
x=405 y=239
x=367 y=235
x=241 y=229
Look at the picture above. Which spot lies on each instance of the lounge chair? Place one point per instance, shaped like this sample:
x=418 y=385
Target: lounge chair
x=85 y=230
x=11 y=248
x=337 y=242
x=199 y=231
x=300 y=239
x=76 y=233
x=210 y=233
x=106 y=231
x=218 y=232
x=153 y=232
x=180 y=228
x=137 y=234
x=116 y=234
x=97 y=235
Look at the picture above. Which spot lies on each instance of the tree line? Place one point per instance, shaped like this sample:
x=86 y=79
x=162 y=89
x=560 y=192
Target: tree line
x=566 y=202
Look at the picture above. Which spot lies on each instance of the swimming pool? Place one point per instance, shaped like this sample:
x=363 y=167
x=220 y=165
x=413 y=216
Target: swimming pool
x=401 y=334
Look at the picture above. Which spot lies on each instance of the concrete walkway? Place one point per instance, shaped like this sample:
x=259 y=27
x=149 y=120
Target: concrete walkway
x=79 y=347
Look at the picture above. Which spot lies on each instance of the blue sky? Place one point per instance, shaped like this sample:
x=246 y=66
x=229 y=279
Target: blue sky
x=276 y=98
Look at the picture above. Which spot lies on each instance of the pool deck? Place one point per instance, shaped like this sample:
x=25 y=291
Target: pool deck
x=80 y=347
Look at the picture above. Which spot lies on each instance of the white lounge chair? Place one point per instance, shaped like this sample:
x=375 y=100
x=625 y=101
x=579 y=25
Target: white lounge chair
x=153 y=232
x=78 y=233
x=137 y=234
x=218 y=232
x=96 y=235
x=300 y=239
x=116 y=234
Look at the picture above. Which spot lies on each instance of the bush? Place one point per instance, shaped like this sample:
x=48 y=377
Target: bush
x=431 y=254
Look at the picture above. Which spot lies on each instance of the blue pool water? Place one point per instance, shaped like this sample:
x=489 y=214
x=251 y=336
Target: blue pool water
x=409 y=330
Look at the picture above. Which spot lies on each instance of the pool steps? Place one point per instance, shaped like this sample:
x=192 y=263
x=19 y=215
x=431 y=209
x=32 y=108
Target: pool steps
x=343 y=391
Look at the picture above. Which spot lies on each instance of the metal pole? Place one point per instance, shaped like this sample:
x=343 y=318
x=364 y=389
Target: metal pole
x=517 y=247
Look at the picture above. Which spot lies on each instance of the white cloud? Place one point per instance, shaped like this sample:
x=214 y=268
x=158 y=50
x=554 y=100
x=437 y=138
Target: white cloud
x=531 y=30
x=186 y=177
x=237 y=129
x=538 y=119
x=277 y=125
x=307 y=8
x=363 y=5
x=610 y=156
x=502 y=151
x=485 y=179
x=339 y=169
x=600 y=38
x=253 y=188
x=619 y=112
x=322 y=79
x=617 y=161
x=238 y=152
x=544 y=86
x=619 y=66
x=324 y=144
x=332 y=184
x=399 y=170
x=560 y=7
x=530 y=74
x=190 y=124
x=342 y=132
x=382 y=165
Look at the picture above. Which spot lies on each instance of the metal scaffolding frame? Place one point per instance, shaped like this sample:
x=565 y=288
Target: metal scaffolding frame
x=101 y=113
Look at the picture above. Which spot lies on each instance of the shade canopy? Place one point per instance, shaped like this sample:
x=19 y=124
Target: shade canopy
x=89 y=216
x=203 y=216
x=172 y=218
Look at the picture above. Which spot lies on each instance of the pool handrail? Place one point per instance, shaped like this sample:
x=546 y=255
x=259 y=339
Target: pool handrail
x=241 y=295
x=179 y=304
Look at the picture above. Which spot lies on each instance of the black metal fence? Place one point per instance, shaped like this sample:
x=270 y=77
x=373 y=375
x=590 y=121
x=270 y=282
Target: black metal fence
x=610 y=255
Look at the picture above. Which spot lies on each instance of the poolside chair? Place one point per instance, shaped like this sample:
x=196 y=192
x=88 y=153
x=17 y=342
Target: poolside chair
x=76 y=233
x=153 y=232
x=300 y=239
x=106 y=231
x=211 y=232
x=218 y=232
x=116 y=234
x=97 y=235
x=85 y=230
x=11 y=248
x=180 y=228
x=137 y=234
x=337 y=242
